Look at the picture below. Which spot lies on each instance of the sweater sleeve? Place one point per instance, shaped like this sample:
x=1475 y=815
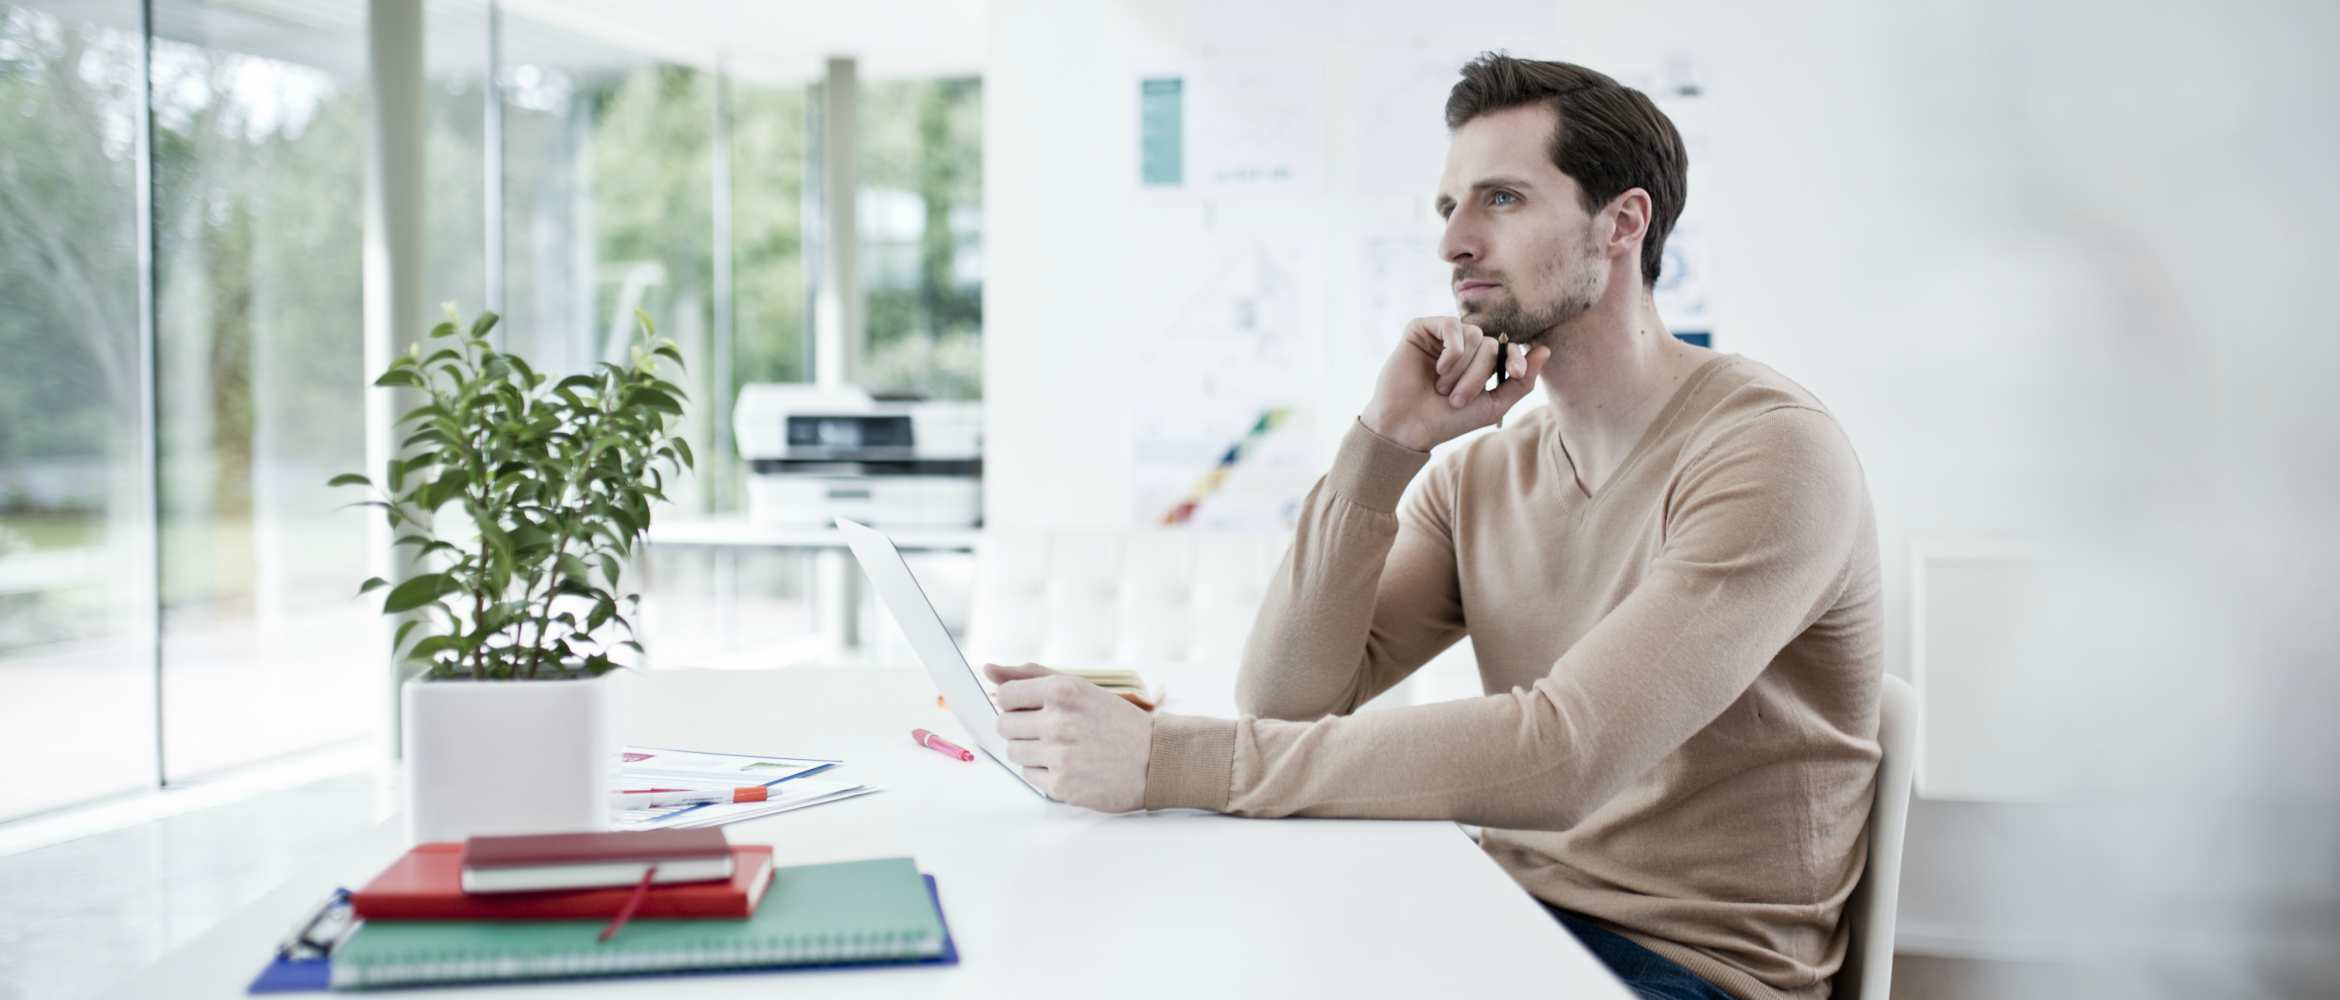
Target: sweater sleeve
x=1761 y=526
x=1363 y=598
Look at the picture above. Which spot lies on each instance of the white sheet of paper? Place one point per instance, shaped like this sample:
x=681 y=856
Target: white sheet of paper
x=791 y=795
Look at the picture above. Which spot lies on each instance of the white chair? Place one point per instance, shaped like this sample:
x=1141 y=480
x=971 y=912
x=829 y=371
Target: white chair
x=1868 y=962
x=1174 y=604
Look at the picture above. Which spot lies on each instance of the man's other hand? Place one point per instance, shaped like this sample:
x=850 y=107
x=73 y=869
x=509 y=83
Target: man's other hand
x=1433 y=387
x=1078 y=742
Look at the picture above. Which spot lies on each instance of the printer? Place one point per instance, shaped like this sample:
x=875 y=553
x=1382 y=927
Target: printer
x=817 y=454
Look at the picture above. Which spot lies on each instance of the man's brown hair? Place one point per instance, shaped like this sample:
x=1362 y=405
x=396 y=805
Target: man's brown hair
x=1610 y=138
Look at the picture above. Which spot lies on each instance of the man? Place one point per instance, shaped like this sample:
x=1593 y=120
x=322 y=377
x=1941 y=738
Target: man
x=1669 y=576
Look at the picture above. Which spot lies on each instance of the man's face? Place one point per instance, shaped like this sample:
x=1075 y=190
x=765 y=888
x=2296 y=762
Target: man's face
x=1525 y=254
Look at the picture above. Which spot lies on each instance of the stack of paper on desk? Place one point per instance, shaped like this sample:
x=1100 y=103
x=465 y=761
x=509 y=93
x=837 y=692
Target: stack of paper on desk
x=791 y=783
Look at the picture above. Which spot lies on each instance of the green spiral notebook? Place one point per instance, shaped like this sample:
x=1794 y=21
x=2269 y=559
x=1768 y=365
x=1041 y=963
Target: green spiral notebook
x=850 y=912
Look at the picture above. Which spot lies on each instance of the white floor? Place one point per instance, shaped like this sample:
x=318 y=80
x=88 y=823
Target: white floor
x=77 y=917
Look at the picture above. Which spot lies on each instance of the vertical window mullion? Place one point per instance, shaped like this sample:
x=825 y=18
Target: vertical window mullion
x=149 y=419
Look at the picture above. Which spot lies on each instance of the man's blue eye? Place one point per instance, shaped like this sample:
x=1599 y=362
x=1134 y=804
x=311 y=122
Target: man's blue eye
x=1495 y=198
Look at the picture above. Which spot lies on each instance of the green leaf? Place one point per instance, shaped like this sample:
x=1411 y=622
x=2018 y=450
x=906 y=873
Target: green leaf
x=657 y=400
x=485 y=322
x=609 y=569
x=373 y=583
x=400 y=638
x=349 y=479
x=446 y=329
x=684 y=447
x=429 y=435
x=433 y=646
x=648 y=328
x=450 y=483
x=572 y=567
x=400 y=376
x=669 y=351
x=419 y=591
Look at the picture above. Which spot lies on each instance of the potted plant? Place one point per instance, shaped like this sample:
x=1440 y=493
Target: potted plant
x=523 y=501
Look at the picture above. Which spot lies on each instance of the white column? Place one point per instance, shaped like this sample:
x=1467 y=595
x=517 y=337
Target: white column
x=837 y=307
x=395 y=310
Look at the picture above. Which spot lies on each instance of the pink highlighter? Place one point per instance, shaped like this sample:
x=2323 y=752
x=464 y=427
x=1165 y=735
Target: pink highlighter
x=940 y=745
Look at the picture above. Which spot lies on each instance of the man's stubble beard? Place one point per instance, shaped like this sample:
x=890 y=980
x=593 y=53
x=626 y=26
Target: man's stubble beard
x=1578 y=293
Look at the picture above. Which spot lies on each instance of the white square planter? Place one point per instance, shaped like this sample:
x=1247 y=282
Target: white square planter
x=498 y=757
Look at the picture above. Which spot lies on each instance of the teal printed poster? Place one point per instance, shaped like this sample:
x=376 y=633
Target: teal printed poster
x=1162 y=131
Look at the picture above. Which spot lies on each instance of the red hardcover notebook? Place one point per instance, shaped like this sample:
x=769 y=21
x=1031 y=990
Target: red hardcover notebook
x=427 y=884
x=546 y=861
x=592 y=848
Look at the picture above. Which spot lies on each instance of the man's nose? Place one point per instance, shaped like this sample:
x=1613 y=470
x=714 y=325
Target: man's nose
x=1460 y=243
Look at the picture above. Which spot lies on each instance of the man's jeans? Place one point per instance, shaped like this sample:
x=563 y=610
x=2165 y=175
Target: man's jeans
x=1649 y=975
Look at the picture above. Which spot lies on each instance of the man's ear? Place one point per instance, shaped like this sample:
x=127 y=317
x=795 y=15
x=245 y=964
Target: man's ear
x=1630 y=212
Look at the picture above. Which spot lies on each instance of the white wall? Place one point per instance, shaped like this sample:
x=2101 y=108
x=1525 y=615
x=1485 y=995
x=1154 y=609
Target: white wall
x=2056 y=267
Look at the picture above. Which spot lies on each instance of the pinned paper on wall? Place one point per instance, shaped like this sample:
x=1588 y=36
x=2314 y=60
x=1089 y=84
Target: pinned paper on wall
x=1162 y=131
x=1217 y=476
x=1223 y=368
x=1252 y=124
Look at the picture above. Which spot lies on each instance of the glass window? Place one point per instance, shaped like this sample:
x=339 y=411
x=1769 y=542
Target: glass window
x=548 y=261
x=260 y=137
x=920 y=214
x=76 y=659
x=729 y=607
x=604 y=203
x=768 y=293
x=455 y=110
x=609 y=184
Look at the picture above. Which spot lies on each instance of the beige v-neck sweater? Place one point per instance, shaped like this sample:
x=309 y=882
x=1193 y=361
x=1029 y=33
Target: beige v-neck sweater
x=1679 y=735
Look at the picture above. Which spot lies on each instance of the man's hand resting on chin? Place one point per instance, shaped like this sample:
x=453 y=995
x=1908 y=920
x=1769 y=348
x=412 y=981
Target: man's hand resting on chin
x=1079 y=742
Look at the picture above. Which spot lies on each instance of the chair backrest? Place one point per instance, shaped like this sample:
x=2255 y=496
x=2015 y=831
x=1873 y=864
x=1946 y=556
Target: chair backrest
x=1173 y=603
x=1868 y=962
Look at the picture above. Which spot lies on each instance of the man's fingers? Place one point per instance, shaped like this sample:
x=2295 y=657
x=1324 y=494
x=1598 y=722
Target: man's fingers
x=1031 y=753
x=1523 y=379
x=1462 y=347
x=1015 y=695
x=1475 y=375
x=1001 y=673
x=1042 y=777
x=1021 y=725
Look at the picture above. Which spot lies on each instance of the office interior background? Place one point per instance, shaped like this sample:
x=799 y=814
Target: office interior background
x=2058 y=269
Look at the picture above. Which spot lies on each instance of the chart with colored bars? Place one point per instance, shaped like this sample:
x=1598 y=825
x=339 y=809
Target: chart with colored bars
x=1233 y=456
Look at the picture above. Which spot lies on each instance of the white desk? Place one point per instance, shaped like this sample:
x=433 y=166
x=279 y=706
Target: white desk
x=1044 y=900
